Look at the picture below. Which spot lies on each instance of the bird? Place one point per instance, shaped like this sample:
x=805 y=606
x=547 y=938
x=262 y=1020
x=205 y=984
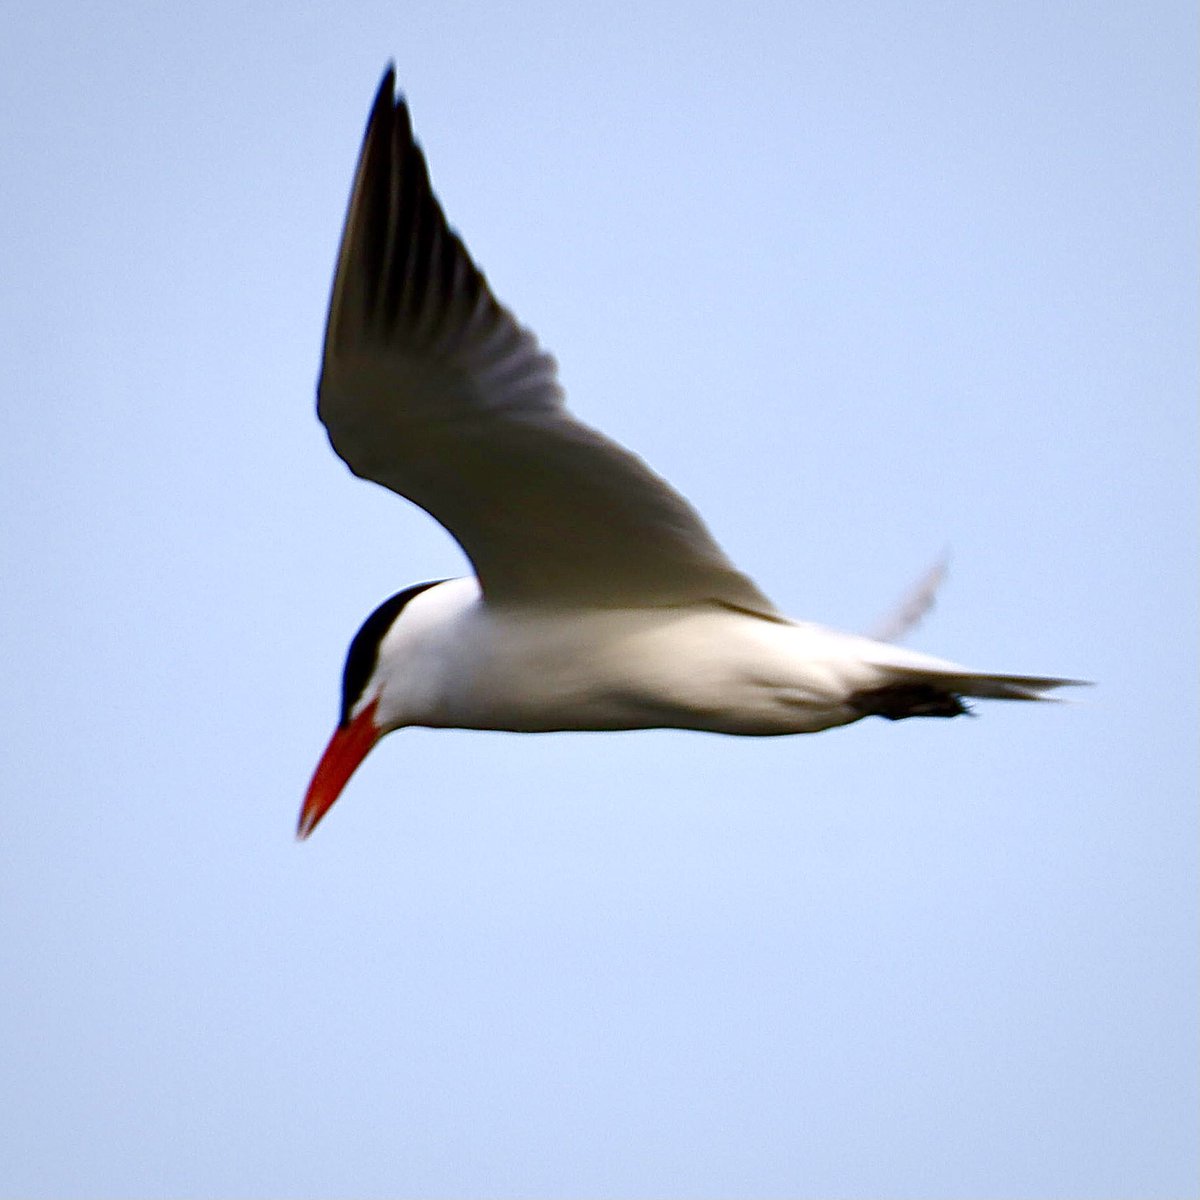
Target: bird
x=598 y=599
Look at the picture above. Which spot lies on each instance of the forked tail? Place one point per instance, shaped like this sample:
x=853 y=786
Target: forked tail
x=917 y=692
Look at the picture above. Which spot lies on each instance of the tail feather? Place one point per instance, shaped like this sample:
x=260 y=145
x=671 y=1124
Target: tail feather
x=991 y=687
x=945 y=676
x=943 y=692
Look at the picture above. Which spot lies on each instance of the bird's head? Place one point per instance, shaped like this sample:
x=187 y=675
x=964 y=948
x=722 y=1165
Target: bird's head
x=364 y=715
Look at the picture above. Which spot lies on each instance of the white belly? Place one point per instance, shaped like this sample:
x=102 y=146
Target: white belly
x=461 y=664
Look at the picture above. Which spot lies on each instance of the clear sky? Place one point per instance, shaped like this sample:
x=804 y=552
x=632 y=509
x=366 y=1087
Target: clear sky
x=865 y=281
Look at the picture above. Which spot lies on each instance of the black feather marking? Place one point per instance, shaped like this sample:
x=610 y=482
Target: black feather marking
x=897 y=701
x=364 y=647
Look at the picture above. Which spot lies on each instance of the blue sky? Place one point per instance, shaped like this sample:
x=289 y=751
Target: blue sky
x=866 y=282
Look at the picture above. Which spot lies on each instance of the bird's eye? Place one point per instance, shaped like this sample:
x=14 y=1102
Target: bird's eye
x=364 y=647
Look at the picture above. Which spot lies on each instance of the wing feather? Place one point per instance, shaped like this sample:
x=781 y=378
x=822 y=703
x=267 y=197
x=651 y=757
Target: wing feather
x=431 y=388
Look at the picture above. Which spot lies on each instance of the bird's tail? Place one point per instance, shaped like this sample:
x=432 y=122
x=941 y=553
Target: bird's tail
x=1002 y=687
x=942 y=692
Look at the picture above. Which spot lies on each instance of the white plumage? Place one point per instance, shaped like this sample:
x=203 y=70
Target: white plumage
x=601 y=601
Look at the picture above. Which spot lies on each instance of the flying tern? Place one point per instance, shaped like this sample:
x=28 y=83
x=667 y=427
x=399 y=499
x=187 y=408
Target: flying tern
x=599 y=599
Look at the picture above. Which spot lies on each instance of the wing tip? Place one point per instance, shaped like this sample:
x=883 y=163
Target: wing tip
x=389 y=103
x=386 y=91
x=389 y=111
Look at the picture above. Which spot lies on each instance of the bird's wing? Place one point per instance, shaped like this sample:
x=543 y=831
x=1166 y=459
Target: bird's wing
x=915 y=606
x=431 y=388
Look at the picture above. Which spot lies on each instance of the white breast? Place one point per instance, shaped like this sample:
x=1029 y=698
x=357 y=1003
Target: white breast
x=452 y=661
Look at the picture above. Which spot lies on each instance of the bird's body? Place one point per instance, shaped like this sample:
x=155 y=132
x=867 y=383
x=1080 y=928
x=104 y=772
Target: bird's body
x=473 y=665
x=600 y=600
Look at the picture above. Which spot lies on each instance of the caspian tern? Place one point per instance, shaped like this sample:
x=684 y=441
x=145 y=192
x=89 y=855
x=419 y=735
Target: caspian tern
x=600 y=600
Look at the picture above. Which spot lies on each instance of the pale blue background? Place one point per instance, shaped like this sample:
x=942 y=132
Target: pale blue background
x=865 y=280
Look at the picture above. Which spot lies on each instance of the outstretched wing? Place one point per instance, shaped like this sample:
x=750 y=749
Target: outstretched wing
x=432 y=389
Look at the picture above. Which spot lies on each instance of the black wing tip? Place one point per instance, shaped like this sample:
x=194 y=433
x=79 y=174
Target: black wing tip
x=390 y=108
x=386 y=91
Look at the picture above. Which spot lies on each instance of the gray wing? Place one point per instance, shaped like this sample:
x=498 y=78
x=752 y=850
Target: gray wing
x=432 y=389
